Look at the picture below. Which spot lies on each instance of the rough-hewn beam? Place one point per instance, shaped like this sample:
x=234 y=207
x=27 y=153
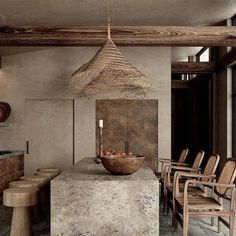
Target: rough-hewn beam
x=180 y=84
x=192 y=67
x=121 y=35
x=227 y=59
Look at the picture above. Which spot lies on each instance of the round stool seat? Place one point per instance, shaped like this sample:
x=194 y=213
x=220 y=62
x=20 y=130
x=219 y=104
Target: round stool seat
x=24 y=184
x=49 y=169
x=20 y=197
x=41 y=180
x=50 y=175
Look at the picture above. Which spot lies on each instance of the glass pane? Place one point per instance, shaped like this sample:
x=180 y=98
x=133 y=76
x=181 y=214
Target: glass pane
x=204 y=57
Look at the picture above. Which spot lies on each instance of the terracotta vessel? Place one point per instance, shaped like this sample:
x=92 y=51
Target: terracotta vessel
x=5 y=110
x=119 y=165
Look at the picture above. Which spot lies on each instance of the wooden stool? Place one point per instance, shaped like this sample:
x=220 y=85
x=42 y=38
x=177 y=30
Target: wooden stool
x=28 y=184
x=21 y=199
x=41 y=180
x=46 y=195
x=24 y=184
x=49 y=169
x=50 y=175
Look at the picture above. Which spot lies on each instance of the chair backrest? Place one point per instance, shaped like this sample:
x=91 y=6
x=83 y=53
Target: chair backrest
x=227 y=176
x=198 y=159
x=183 y=155
x=211 y=166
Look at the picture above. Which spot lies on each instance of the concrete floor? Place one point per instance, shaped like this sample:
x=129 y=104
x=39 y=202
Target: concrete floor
x=41 y=225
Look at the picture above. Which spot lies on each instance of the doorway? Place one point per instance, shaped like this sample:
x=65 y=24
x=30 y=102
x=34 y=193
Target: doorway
x=49 y=125
x=191 y=117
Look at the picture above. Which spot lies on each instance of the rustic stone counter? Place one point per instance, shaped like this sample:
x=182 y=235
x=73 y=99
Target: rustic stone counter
x=11 y=167
x=11 y=153
x=87 y=200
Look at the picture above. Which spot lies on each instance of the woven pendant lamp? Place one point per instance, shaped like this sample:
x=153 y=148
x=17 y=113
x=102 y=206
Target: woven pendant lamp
x=109 y=72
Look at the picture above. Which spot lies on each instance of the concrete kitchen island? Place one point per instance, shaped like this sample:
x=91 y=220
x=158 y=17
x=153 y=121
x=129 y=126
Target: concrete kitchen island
x=87 y=200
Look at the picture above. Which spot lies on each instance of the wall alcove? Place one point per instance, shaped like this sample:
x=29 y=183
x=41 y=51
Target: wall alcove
x=132 y=121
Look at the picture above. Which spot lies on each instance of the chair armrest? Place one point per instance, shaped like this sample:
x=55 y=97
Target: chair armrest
x=179 y=174
x=164 y=160
x=188 y=182
x=168 y=169
x=178 y=164
x=171 y=161
x=164 y=165
x=182 y=168
x=168 y=166
x=183 y=164
x=193 y=175
x=167 y=160
x=211 y=184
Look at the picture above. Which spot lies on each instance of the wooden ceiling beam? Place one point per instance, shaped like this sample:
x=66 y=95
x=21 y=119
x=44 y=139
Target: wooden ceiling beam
x=121 y=35
x=180 y=84
x=192 y=67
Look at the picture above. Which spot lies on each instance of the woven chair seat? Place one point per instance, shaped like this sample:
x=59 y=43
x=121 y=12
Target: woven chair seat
x=200 y=203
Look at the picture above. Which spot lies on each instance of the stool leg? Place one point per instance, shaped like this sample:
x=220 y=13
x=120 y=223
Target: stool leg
x=21 y=222
x=37 y=210
x=43 y=196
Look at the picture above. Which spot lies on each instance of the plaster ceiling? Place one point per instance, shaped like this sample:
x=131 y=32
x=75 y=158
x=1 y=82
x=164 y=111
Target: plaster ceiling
x=124 y=12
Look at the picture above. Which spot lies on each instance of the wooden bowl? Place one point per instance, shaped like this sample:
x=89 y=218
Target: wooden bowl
x=119 y=165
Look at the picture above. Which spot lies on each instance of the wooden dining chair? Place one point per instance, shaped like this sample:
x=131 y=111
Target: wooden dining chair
x=166 y=162
x=169 y=175
x=211 y=205
x=208 y=174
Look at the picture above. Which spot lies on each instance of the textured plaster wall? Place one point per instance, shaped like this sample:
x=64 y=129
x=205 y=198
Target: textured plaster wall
x=44 y=74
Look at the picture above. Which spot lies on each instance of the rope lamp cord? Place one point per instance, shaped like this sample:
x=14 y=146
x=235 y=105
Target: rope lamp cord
x=108 y=20
x=109 y=72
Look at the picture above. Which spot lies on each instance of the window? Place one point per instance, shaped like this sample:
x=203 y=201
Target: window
x=234 y=20
x=203 y=55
